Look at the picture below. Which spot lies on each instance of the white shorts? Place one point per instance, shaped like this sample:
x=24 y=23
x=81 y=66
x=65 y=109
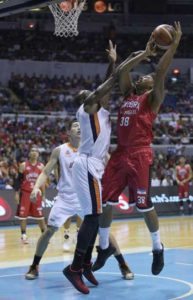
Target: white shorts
x=87 y=173
x=63 y=208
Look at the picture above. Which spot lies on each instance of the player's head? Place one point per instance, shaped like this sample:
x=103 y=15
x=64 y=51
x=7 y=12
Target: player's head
x=182 y=160
x=144 y=83
x=34 y=152
x=82 y=95
x=74 y=129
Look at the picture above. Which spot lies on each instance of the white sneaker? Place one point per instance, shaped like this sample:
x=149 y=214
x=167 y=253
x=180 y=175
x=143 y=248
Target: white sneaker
x=67 y=244
x=24 y=239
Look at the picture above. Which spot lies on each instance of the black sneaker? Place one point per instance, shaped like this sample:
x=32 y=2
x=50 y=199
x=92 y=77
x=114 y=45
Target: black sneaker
x=126 y=272
x=33 y=273
x=158 y=261
x=103 y=255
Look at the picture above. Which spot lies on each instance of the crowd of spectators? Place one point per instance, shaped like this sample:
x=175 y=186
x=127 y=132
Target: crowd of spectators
x=44 y=46
x=57 y=94
x=19 y=133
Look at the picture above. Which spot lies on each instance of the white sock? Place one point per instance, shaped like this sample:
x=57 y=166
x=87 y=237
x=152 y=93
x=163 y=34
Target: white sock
x=104 y=237
x=156 y=242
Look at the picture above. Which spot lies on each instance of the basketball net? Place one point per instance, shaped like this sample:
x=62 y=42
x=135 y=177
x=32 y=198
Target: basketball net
x=66 y=22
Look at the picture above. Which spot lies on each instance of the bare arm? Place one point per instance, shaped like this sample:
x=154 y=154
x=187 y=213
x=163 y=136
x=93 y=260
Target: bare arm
x=177 y=180
x=125 y=80
x=112 y=56
x=157 y=96
x=42 y=178
x=18 y=181
x=189 y=177
x=102 y=93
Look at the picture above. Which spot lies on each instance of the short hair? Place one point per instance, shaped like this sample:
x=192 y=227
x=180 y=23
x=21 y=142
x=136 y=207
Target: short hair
x=35 y=147
x=69 y=125
x=81 y=96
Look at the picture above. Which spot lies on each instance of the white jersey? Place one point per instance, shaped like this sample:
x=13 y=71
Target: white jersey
x=66 y=160
x=95 y=132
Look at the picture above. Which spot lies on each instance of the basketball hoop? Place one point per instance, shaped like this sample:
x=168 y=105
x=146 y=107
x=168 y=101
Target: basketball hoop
x=66 y=17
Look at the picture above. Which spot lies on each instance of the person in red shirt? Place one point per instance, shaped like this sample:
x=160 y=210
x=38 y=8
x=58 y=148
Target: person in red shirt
x=130 y=164
x=183 y=177
x=24 y=183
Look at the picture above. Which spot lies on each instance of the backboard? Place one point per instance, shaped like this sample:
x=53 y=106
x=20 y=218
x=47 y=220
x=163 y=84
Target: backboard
x=10 y=7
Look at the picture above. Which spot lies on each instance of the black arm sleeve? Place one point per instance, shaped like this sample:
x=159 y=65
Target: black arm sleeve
x=17 y=182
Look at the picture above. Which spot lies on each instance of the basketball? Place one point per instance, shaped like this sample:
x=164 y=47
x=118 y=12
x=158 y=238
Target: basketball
x=164 y=35
x=67 y=5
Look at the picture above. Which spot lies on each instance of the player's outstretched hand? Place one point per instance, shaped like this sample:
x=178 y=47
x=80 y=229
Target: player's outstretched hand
x=151 y=47
x=112 y=52
x=33 y=196
x=178 y=33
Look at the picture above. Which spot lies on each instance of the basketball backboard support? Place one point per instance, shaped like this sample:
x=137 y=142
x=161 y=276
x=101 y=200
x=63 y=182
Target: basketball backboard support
x=10 y=7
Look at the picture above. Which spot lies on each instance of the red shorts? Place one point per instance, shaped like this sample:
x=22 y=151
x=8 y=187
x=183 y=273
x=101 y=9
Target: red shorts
x=183 y=191
x=27 y=209
x=129 y=167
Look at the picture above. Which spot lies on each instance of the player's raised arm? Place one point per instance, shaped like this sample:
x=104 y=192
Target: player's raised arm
x=157 y=95
x=125 y=80
x=45 y=173
x=112 y=56
x=93 y=100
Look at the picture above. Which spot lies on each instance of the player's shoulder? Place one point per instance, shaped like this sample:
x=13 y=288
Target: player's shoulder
x=56 y=151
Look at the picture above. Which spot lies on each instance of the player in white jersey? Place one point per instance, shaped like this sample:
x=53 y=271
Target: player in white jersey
x=88 y=168
x=67 y=203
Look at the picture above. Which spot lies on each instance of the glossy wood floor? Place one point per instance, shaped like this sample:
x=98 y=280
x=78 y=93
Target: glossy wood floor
x=132 y=236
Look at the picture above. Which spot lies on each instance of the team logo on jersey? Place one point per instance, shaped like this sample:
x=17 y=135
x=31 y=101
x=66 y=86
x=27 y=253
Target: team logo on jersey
x=131 y=104
x=5 y=210
x=68 y=153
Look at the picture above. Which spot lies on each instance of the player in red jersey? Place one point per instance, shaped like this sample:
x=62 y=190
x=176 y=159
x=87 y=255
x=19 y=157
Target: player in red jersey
x=130 y=164
x=28 y=174
x=183 y=177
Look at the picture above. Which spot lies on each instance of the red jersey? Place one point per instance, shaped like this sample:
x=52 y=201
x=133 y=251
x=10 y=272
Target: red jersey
x=182 y=172
x=30 y=174
x=135 y=120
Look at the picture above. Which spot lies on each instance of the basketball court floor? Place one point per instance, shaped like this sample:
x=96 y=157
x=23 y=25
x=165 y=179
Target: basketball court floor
x=174 y=282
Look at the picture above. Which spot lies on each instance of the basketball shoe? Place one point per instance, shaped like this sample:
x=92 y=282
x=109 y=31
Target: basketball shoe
x=75 y=277
x=24 y=239
x=87 y=272
x=126 y=272
x=158 y=261
x=103 y=255
x=33 y=273
x=67 y=242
